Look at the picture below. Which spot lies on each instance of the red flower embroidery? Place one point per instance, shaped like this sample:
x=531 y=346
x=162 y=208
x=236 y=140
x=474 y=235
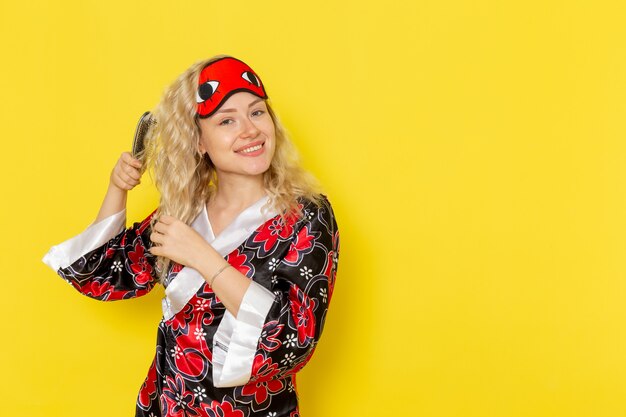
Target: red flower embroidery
x=142 y=271
x=240 y=262
x=97 y=289
x=302 y=308
x=191 y=362
x=303 y=244
x=148 y=389
x=103 y=290
x=223 y=409
x=271 y=231
x=109 y=252
x=263 y=382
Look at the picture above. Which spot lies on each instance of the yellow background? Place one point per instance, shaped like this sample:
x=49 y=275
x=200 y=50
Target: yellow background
x=474 y=153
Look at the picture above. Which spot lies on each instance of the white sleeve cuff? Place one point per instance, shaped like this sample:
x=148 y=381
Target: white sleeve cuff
x=66 y=253
x=235 y=342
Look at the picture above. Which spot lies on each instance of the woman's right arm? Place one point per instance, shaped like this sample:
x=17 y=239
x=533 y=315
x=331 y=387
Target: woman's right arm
x=107 y=261
x=125 y=176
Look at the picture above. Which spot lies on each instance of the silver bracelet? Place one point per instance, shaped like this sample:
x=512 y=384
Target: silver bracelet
x=216 y=274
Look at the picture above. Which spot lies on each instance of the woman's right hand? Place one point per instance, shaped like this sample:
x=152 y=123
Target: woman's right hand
x=127 y=172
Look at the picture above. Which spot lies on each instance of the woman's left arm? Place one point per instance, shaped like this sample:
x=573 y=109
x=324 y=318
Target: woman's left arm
x=182 y=244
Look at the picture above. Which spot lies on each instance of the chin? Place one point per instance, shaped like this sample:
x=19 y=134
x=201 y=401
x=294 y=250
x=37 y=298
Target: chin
x=259 y=171
x=258 y=168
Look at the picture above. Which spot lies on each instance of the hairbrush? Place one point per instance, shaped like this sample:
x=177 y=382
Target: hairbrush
x=144 y=126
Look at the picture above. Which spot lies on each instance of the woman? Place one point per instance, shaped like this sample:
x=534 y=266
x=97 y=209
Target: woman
x=242 y=241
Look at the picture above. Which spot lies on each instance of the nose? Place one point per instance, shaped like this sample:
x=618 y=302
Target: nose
x=249 y=129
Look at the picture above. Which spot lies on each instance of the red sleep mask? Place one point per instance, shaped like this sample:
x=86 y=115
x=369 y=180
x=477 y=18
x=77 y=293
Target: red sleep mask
x=220 y=80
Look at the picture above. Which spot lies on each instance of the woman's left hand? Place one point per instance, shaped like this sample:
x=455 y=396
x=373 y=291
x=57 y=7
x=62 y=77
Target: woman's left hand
x=177 y=241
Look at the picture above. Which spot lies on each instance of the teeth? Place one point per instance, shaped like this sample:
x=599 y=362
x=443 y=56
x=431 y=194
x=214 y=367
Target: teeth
x=252 y=149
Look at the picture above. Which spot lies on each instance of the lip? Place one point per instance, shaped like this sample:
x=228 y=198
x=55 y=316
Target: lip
x=250 y=145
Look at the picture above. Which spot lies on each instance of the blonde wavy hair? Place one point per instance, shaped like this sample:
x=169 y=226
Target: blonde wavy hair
x=187 y=180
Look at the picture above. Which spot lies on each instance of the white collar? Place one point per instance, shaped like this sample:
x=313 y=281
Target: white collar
x=188 y=281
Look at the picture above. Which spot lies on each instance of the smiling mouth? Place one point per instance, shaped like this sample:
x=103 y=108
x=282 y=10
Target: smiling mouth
x=251 y=148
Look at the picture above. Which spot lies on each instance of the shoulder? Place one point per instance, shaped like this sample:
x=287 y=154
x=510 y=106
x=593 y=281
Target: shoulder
x=320 y=202
x=318 y=210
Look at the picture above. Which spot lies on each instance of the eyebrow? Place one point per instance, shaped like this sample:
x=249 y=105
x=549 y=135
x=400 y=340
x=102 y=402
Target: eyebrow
x=233 y=110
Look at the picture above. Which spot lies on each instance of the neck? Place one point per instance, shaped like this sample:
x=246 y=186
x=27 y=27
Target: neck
x=238 y=191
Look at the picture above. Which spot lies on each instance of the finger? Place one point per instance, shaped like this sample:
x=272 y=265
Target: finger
x=167 y=220
x=160 y=227
x=123 y=183
x=129 y=180
x=115 y=179
x=130 y=160
x=136 y=163
x=129 y=174
x=157 y=238
x=132 y=172
x=156 y=250
x=127 y=164
x=126 y=157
